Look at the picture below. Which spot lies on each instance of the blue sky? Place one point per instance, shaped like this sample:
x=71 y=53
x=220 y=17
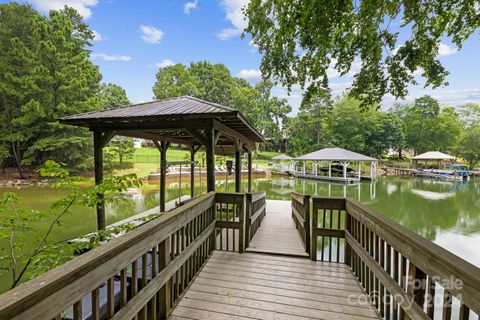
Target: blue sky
x=134 y=38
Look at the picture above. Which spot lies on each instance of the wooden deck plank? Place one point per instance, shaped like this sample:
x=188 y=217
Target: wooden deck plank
x=277 y=233
x=234 y=286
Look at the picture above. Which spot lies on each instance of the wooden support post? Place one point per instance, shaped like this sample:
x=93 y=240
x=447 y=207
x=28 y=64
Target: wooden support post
x=193 y=150
x=238 y=165
x=98 y=163
x=330 y=169
x=250 y=168
x=210 y=150
x=162 y=147
x=304 y=167
x=100 y=139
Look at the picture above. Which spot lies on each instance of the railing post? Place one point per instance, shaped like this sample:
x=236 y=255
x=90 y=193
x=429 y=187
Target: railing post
x=306 y=227
x=164 y=293
x=247 y=219
x=241 y=231
x=348 y=229
x=313 y=236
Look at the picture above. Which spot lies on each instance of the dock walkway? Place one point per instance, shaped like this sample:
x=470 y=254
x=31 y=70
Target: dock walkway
x=273 y=280
x=277 y=233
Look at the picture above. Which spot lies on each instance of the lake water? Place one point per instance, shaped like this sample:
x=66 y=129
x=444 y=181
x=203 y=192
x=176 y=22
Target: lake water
x=447 y=213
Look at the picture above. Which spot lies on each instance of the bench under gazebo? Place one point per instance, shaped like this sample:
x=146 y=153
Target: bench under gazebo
x=184 y=120
x=336 y=164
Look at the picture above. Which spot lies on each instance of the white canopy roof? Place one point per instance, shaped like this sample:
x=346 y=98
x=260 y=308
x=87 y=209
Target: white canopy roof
x=335 y=154
x=433 y=155
x=282 y=157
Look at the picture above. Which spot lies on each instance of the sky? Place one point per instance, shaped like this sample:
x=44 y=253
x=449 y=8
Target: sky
x=135 y=38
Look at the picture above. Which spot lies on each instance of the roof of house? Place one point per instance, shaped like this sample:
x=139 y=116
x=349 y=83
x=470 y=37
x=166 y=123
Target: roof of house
x=335 y=154
x=433 y=155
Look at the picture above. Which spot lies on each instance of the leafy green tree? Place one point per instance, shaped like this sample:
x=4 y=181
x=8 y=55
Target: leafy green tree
x=469 y=146
x=175 y=81
x=112 y=95
x=428 y=127
x=301 y=40
x=469 y=114
x=47 y=76
x=123 y=148
x=17 y=225
x=214 y=81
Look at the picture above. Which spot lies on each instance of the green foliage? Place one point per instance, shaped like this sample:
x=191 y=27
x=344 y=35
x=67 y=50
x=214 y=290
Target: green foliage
x=469 y=146
x=323 y=123
x=17 y=224
x=112 y=95
x=45 y=74
x=302 y=40
x=122 y=147
x=429 y=127
x=214 y=83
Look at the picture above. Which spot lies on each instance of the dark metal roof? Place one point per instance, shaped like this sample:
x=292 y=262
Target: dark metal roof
x=162 y=112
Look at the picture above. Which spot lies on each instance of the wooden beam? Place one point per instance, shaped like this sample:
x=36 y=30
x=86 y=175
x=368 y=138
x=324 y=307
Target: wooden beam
x=162 y=147
x=249 y=168
x=198 y=136
x=210 y=153
x=152 y=125
x=98 y=142
x=229 y=132
x=238 y=165
x=154 y=137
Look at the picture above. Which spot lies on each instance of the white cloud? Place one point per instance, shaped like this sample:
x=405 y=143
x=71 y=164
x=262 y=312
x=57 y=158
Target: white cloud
x=97 y=36
x=165 y=63
x=151 y=34
x=234 y=14
x=446 y=50
x=189 y=6
x=82 y=6
x=251 y=75
x=107 y=57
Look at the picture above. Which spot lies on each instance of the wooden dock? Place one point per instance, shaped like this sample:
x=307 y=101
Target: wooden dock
x=204 y=260
x=258 y=286
x=277 y=233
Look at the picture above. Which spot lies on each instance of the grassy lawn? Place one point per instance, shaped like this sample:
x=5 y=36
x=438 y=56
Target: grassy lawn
x=144 y=169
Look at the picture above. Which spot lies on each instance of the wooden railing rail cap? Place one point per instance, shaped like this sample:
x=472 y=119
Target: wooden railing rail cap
x=301 y=198
x=328 y=202
x=255 y=196
x=426 y=255
x=38 y=289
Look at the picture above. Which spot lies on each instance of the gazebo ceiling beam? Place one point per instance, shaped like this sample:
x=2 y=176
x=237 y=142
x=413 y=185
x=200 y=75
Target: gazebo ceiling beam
x=163 y=124
x=154 y=137
x=233 y=134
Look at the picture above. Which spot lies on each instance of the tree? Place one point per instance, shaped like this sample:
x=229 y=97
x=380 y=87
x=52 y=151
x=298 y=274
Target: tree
x=175 y=81
x=112 y=95
x=123 y=148
x=469 y=114
x=428 y=127
x=302 y=41
x=47 y=75
x=18 y=224
x=469 y=146
x=214 y=83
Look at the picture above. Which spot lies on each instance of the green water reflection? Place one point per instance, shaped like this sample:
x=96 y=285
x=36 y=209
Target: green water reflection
x=447 y=213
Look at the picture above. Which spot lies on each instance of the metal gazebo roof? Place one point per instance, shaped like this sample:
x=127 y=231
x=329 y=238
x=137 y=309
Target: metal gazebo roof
x=282 y=157
x=170 y=120
x=335 y=154
x=433 y=156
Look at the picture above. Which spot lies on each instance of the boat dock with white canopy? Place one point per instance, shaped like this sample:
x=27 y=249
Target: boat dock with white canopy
x=335 y=164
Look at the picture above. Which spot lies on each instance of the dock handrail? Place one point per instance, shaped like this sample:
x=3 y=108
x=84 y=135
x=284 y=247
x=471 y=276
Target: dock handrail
x=301 y=217
x=404 y=273
x=256 y=210
x=230 y=221
x=142 y=273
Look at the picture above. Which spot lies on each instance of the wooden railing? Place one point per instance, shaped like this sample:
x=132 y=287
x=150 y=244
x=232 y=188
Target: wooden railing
x=256 y=210
x=140 y=274
x=230 y=224
x=328 y=226
x=301 y=217
x=406 y=276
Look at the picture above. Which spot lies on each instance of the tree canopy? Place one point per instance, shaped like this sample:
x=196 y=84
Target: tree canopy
x=45 y=75
x=303 y=41
x=214 y=82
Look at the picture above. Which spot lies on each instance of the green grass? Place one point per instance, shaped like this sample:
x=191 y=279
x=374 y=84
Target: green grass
x=144 y=169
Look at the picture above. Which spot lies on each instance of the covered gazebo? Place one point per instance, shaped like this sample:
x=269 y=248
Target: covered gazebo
x=283 y=163
x=332 y=156
x=183 y=120
x=433 y=156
